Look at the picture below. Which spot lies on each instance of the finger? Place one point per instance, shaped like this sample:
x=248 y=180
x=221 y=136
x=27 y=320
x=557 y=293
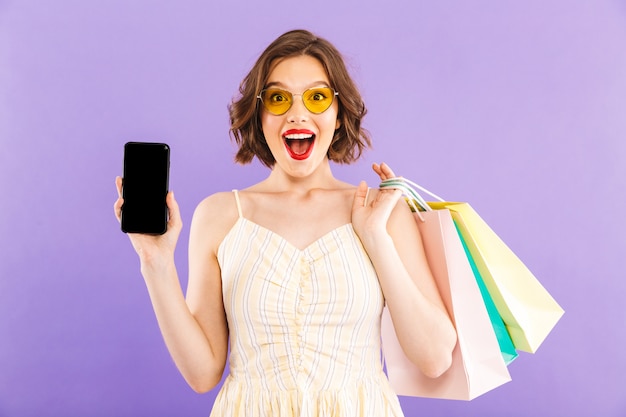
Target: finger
x=117 y=208
x=383 y=171
x=360 y=196
x=377 y=170
x=174 y=211
x=118 y=185
x=387 y=171
x=393 y=194
x=388 y=199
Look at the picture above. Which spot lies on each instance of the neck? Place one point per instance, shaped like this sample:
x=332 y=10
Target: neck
x=281 y=181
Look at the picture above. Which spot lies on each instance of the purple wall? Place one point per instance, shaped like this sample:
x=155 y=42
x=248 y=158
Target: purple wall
x=518 y=109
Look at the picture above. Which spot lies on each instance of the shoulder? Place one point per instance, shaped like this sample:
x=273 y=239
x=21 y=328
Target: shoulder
x=213 y=218
x=218 y=203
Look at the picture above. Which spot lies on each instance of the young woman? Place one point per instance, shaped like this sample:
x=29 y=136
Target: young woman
x=294 y=271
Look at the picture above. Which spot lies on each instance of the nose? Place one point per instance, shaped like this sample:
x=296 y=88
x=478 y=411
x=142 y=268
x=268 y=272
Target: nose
x=298 y=112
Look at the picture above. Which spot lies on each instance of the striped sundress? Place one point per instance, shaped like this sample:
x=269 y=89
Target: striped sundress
x=304 y=327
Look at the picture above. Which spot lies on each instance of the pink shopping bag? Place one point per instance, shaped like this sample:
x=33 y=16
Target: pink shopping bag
x=477 y=363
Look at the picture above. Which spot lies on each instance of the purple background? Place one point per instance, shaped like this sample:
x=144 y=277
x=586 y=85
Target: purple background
x=517 y=108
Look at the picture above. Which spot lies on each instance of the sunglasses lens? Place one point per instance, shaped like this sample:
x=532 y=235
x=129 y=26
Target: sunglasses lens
x=276 y=101
x=319 y=99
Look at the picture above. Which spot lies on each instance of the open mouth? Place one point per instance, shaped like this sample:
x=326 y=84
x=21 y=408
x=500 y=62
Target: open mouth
x=299 y=143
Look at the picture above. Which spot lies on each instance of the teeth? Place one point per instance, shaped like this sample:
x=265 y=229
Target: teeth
x=298 y=136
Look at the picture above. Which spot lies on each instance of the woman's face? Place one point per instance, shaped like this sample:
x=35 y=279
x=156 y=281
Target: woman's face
x=299 y=139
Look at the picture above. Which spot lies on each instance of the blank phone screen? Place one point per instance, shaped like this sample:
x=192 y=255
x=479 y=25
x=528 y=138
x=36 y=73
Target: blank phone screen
x=145 y=185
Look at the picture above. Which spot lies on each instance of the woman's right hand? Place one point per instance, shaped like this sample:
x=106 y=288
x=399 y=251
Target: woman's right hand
x=155 y=251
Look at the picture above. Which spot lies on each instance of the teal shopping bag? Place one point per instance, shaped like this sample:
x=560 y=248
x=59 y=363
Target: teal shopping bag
x=504 y=339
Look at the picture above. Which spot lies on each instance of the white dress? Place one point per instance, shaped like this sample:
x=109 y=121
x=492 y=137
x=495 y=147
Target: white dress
x=304 y=327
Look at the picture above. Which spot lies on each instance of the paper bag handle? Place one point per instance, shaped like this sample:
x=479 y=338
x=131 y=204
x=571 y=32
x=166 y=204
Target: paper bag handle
x=408 y=189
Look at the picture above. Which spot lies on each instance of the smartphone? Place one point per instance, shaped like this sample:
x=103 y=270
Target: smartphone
x=144 y=187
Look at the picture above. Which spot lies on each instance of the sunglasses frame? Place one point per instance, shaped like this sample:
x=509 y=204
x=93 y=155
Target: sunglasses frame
x=260 y=97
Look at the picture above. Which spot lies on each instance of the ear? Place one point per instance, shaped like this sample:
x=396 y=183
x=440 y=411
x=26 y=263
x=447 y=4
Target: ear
x=337 y=123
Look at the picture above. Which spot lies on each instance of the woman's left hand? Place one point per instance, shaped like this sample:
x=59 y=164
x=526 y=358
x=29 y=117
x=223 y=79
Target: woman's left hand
x=371 y=210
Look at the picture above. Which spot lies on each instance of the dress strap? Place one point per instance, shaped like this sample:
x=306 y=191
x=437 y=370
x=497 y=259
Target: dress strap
x=238 y=202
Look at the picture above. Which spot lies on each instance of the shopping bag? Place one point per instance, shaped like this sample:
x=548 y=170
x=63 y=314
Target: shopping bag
x=527 y=309
x=502 y=334
x=477 y=364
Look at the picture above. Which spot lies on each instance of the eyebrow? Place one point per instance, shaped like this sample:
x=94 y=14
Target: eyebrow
x=311 y=85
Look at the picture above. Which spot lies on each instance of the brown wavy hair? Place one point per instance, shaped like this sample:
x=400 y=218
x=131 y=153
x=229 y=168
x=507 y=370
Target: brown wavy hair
x=349 y=140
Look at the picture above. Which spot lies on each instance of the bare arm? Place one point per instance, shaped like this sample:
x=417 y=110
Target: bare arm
x=392 y=240
x=194 y=333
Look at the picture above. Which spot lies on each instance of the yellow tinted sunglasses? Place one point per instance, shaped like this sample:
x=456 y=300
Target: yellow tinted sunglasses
x=278 y=101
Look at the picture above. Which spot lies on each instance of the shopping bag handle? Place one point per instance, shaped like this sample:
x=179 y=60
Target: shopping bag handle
x=415 y=200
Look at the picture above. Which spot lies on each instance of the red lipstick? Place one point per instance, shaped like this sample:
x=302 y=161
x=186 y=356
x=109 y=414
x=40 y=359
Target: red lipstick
x=299 y=143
